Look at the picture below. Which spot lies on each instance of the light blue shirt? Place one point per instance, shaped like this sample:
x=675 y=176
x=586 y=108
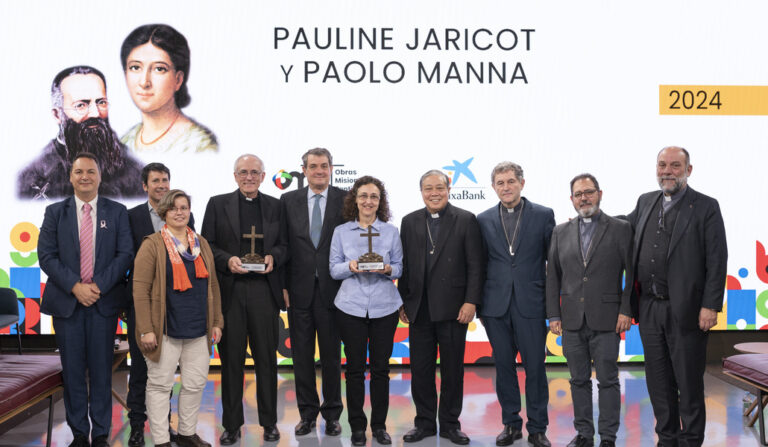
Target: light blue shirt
x=311 y=203
x=157 y=222
x=371 y=294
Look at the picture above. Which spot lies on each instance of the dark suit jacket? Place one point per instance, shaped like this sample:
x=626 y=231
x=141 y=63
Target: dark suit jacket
x=575 y=291
x=298 y=253
x=698 y=254
x=221 y=227
x=524 y=274
x=456 y=268
x=141 y=227
x=58 y=249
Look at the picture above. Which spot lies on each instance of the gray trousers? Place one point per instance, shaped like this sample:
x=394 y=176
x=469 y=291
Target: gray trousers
x=581 y=348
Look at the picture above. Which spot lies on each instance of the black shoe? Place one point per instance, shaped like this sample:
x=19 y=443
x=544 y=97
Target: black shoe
x=137 y=437
x=358 y=437
x=100 y=441
x=165 y=444
x=509 y=435
x=539 y=440
x=229 y=437
x=581 y=441
x=332 y=428
x=304 y=427
x=173 y=434
x=271 y=433
x=191 y=441
x=80 y=441
x=382 y=437
x=416 y=434
x=607 y=444
x=456 y=436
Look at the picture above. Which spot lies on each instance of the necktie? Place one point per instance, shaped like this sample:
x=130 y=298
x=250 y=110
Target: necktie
x=316 y=227
x=86 y=245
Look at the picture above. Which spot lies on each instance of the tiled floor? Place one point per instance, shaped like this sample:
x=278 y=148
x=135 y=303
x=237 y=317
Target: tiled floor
x=480 y=417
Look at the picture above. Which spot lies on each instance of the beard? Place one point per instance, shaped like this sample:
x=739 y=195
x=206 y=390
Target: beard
x=674 y=189
x=93 y=135
x=589 y=211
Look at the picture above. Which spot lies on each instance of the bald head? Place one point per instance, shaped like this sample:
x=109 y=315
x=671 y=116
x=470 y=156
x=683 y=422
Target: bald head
x=673 y=166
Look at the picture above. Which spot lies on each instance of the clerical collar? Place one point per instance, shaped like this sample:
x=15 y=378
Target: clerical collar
x=514 y=209
x=438 y=214
x=676 y=196
x=595 y=217
x=248 y=199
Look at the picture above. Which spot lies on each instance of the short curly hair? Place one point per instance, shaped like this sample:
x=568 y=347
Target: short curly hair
x=166 y=203
x=351 y=212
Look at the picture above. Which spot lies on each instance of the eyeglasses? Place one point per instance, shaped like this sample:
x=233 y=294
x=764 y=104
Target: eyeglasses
x=244 y=174
x=587 y=193
x=181 y=209
x=83 y=107
x=364 y=197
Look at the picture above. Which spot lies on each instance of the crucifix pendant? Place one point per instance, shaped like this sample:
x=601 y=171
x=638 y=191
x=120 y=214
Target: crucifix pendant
x=511 y=253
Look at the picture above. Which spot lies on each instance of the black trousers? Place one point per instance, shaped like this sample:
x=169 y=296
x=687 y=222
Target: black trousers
x=367 y=338
x=305 y=324
x=251 y=320
x=424 y=338
x=675 y=360
x=137 y=379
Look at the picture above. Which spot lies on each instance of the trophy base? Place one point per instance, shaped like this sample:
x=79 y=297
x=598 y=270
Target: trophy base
x=365 y=266
x=255 y=267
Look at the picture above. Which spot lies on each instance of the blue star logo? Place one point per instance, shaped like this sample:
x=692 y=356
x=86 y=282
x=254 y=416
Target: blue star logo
x=461 y=168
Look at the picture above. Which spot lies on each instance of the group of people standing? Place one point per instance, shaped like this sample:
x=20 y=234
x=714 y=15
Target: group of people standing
x=663 y=265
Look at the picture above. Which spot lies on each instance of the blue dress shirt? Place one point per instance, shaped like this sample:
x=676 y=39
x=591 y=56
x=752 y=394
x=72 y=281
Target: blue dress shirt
x=371 y=294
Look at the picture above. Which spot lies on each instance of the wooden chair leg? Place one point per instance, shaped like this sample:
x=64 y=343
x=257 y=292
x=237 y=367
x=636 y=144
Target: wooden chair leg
x=50 y=421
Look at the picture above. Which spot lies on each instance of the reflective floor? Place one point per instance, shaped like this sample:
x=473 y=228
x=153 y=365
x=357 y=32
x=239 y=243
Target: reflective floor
x=480 y=418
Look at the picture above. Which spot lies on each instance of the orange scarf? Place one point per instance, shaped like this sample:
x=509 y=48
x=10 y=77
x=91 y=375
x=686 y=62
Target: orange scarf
x=180 y=277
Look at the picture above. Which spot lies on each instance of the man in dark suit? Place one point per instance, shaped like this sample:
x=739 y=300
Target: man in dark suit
x=144 y=220
x=586 y=304
x=310 y=215
x=441 y=285
x=681 y=257
x=85 y=249
x=516 y=233
x=251 y=301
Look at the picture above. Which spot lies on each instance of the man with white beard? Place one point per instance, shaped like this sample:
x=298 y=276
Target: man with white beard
x=587 y=306
x=80 y=106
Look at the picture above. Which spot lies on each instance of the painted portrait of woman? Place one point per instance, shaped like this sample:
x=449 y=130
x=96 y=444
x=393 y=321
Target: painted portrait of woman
x=155 y=61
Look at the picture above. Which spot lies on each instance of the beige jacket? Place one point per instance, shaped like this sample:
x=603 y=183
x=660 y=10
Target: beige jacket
x=149 y=291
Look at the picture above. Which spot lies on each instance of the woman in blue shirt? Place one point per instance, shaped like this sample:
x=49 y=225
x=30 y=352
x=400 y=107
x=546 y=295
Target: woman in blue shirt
x=368 y=302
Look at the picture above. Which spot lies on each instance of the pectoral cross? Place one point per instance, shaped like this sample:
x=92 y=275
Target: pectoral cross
x=253 y=236
x=370 y=235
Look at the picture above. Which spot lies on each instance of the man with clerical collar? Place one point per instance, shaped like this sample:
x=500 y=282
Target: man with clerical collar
x=81 y=109
x=680 y=259
x=251 y=301
x=85 y=290
x=156 y=181
x=441 y=285
x=517 y=232
x=588 y=307
x=310 y=214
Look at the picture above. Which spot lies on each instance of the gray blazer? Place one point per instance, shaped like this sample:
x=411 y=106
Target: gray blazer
x=594 y=291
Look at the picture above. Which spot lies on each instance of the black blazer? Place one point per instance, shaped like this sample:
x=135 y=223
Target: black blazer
x=221 y=227
x=457 y=267
x=298 y=253
x=698 y=254
x=576 y=292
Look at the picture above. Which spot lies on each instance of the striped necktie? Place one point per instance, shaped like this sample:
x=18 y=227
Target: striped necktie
x=86 y=245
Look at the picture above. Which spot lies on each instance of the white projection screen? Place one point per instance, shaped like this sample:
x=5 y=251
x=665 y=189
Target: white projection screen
x=395 y=88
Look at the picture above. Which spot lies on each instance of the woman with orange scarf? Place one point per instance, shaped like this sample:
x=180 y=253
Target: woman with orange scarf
x=178 y=317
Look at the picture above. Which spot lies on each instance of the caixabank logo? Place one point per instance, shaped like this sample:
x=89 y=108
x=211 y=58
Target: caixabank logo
x=464 y=185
